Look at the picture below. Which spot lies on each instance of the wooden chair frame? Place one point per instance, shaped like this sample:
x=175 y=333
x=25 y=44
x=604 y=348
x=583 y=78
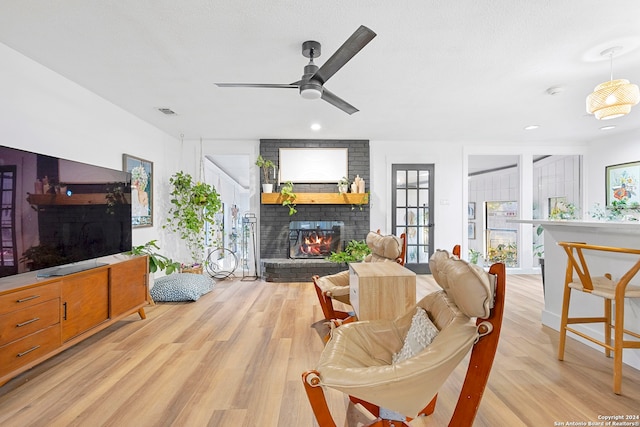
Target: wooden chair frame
x=475 y=381
x=577 y=263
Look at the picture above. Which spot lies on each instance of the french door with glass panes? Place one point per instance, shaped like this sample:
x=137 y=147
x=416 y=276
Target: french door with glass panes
x=412 y=212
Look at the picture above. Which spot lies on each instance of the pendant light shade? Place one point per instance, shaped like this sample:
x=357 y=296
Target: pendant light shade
x=612 y=99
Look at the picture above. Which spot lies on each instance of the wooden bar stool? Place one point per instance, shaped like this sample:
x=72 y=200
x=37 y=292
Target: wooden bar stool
x=610 y=290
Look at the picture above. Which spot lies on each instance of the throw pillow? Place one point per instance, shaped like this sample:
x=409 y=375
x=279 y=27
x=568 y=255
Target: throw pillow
x=421 y=332
x=181 y=287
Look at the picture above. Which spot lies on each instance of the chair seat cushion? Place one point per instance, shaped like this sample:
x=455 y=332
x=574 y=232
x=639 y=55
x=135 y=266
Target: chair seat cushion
x=335 y=285
x=181 y=287
x=357 y=360
x=605 y=288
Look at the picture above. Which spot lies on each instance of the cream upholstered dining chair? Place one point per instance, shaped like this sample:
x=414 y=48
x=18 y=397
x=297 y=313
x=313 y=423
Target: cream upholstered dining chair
x=369 y=360
x=336 y=286
x=605 y=287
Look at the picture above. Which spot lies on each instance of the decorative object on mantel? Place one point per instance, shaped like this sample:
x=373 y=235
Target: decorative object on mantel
x=267 y=166
x=343 y=185
x=193 y=204
x=289 y=197
x=613 y=98
x=358 y=185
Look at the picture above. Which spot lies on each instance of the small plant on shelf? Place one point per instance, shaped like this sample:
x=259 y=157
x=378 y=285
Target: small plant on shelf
x=267 y=166
x=343 y=185
x=563 y=211
x=289 y=197
x=157 y=262
x=355 y=251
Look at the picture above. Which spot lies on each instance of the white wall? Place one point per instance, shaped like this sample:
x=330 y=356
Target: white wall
x=608 y=151
x=448 y=182
x=44 y=112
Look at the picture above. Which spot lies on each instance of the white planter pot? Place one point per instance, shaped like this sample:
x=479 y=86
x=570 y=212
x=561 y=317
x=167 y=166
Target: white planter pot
x=267 y=188
x=343 y=188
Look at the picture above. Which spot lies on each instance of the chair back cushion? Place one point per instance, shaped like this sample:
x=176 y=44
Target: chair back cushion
x=383 y=248
x=468 y=285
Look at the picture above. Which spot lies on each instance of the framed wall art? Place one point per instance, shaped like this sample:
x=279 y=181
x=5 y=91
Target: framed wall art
x=471 y=231
x=141 y=190
x=622 y=183
x=471 y=210
x=313 y=165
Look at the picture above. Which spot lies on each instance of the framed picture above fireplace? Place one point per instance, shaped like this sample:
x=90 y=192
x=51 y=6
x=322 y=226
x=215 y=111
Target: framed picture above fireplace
x=313 y=165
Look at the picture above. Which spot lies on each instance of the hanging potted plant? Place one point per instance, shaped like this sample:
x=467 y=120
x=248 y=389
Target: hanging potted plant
x=266 y=165
x=193 y=204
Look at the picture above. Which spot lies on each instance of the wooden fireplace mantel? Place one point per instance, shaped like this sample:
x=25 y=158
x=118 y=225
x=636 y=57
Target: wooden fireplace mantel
x=319 y=198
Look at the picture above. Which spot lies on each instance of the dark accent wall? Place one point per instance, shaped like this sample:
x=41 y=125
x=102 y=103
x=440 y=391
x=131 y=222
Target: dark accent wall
x=274 y=219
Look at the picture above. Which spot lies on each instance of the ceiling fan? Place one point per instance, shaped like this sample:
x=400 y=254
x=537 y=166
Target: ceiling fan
x=311 y=85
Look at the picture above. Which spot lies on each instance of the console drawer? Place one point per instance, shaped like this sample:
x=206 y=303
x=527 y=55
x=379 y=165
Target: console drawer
x=28 y=349
x=23 y=322
x=28 y=297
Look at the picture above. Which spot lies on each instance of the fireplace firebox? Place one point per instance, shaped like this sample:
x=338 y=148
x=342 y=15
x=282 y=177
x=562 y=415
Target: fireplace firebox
x=314 y=239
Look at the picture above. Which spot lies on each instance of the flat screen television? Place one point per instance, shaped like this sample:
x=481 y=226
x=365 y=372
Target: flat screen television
x=57 y=216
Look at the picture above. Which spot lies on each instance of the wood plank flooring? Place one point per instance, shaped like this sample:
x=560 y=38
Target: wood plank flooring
x=234 y=358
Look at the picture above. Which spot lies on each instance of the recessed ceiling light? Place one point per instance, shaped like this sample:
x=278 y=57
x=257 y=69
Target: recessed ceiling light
x=608 y=127
x=532 y=127
x=315 y=127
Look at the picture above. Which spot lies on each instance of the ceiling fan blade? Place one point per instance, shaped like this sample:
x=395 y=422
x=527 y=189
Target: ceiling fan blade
x=261 y=85
x=336 y=101
x=348 y=50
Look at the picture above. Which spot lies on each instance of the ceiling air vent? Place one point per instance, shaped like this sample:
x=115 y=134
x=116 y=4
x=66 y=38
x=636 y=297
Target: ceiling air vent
x=167 y=111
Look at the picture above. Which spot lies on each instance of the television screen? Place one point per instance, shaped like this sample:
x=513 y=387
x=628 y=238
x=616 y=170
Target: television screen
x=56 y=212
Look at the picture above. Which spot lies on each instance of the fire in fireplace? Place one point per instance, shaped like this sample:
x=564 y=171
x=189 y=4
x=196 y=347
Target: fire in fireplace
x=314 y=239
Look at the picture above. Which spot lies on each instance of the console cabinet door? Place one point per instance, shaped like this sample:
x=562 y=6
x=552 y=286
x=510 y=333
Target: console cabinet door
x=128 y=285
x=85 y=302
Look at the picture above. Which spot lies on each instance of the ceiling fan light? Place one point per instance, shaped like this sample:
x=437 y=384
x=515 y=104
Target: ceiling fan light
x=613 y=99
x=311 y=90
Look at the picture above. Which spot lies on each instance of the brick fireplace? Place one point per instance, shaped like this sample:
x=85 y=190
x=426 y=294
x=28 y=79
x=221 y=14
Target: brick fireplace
x=277 y=264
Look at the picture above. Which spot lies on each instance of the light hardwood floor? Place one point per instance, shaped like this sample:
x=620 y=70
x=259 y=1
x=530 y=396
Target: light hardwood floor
x=234 y=358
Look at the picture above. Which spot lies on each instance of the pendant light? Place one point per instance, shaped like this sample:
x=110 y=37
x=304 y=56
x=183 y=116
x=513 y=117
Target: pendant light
x=613 y=98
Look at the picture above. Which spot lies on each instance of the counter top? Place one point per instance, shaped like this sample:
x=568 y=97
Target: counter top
x=612 y=226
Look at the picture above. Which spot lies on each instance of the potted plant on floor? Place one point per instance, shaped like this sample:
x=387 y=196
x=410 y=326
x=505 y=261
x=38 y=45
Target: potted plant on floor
x=193 y=205
x=157 y=261
x=355 y=251
x=266 y=165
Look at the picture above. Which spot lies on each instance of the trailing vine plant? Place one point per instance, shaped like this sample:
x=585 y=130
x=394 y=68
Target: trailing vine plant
x=289 y=197
x=193 y=204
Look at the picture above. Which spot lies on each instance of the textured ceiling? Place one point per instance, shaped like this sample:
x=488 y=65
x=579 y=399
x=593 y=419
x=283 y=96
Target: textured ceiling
x=437 y=71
